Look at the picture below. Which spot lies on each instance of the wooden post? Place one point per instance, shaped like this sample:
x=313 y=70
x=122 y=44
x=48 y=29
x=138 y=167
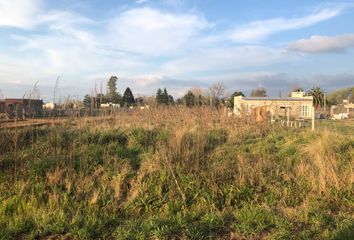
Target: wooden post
x=287 y=116
x=313 y=119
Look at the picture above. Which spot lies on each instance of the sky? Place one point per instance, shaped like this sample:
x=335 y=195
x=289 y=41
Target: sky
x=177 y=44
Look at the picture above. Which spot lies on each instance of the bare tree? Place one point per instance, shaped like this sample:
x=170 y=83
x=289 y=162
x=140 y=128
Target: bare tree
x=259 y=92
x=217 y=91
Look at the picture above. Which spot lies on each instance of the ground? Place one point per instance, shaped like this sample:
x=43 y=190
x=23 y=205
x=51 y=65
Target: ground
x=176 y=174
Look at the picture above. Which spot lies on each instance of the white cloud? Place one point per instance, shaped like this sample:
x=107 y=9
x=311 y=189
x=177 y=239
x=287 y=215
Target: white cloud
x=19 y=13
x=147 y=48
x=225 y=59
x=153 y=32
x=323 y=44
x=258 y=30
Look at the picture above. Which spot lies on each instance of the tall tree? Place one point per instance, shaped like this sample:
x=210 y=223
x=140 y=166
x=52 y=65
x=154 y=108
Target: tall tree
x=171 y=101
x=162 y=97
x=189 y=99
x=112 y=84
x=259 y=92
x=231 y=99
x=217 y=91
x=87 y=101
x=165 y=96
x=128 y=98
x=159 y=98
x=113 y=95
x=318 y=96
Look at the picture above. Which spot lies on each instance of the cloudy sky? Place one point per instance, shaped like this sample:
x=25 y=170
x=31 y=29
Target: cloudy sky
x=177 y=44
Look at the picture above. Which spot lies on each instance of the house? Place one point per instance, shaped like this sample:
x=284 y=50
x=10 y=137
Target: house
x=298 y=106
x=20 y=107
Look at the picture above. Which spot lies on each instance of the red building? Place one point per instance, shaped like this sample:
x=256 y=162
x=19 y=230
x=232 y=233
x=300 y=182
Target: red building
x=19 y=108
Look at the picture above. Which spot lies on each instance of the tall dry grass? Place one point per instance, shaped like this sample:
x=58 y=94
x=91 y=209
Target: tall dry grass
x=174 y=173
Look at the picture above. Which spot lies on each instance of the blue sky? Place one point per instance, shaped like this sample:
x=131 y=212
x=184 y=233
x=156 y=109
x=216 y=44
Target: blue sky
x=178 y=44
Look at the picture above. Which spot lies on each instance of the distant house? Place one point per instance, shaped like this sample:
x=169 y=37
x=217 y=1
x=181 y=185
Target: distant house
x=19 y=107
x=298 y=106
x=343 y=110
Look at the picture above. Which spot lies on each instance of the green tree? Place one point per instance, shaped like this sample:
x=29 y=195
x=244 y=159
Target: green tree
x=230 y=103
x=171 y=101
x=112 y=84
x=162 y=97
x=159 y=98
x=165 y=96
x=189 y=99
x=113 y=96
x=102 y=98
x=338 y=96
x=87 y=101
x=128 y=98
x=318 y=96
x=259 y=92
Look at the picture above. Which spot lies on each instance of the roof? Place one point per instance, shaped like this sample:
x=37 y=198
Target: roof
x=22 y=99
x=276 y=99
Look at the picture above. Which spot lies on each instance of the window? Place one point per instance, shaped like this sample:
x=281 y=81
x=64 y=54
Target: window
x=304 y=111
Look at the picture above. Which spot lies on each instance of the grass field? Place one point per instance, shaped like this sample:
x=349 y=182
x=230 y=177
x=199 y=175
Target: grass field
x=176 y=174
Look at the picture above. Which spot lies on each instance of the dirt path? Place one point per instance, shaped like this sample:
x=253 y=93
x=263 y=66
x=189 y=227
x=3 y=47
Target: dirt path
x=30 y=123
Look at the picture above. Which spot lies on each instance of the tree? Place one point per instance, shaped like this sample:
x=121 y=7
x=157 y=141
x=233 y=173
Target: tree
x=87 y=101
x=338 y=96
x=102 y=98
x=189 y=99
x=217 y=91
x=162 y=97
x=231 y=99
x=128 y=98
x=318 y=96
x=113 y=96
x=112 y=84
x=171 y=101
x=159 y=98
x=259 y=92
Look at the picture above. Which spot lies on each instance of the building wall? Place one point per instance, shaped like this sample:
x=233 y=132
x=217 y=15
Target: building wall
x=2 y=106
x=16 y=108
x=297 y=107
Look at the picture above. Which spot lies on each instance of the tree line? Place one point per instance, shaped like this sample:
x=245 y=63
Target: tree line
x=214 y=96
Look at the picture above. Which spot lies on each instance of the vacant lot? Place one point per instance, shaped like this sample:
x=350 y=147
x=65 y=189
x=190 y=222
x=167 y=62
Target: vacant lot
x=176 y=174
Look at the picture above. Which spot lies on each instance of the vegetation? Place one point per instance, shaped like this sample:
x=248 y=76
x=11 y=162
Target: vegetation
x=163 y=98
x=338 y=96
x=189 y=99
x=175 y=173
x=128 y=98
x=113 y=96
x=259 y=92
x=318 y=96
x=232 y=97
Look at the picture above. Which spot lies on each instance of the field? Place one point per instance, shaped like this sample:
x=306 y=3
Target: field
x=176 y=173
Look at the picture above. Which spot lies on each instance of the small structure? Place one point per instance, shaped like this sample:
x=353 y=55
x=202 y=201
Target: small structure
x=21 y=108
x=297 y=107
x=2 y=105
x=342 y=111
x=49 y=105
